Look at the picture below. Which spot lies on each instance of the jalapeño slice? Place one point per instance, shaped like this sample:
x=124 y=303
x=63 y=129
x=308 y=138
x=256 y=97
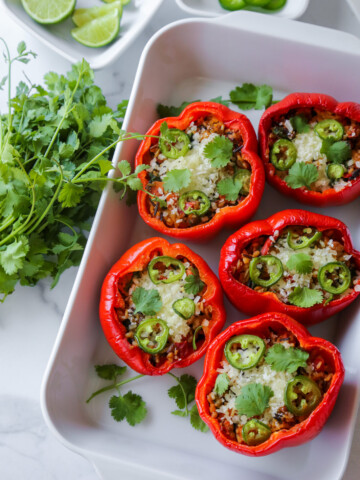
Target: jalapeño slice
x=275 y=4
x=265 y=270
x=174 y=143
x=152 y=335
x=302 y=395
x=302 y=241
x=243 y=176
x=283 y=154
x=194 y=202
x=255 y=432
x=335 y=171
x=334 y=277
x=184 y=307
x=159 y=271
x=329 y=129
x=244 y=351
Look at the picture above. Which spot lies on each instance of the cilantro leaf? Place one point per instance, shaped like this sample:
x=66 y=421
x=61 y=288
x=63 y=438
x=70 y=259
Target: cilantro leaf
x=284 y=359
x=193 y=283
x=130 y=406
x=219 y=151
x=305 y=297
x=171 y=111
x=300 y=262
x=250 y=96
x=336 y=152
x=177 y=179
x=187 y=385
x=147 y=302
x=13 y=256
x=220 y=100
x=124 y=167
x=300 y=124
x=230 y=188
x=180 y=413
x=253 y=399
x=196 y=421
x=302 y=174
x=110 y=371
x=221 y=384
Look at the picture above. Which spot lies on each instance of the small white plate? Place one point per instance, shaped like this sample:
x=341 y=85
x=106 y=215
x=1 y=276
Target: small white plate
x=135 y=17
x=212 y=8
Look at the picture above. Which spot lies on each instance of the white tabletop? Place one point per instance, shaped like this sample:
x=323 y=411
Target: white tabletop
x=30 y=318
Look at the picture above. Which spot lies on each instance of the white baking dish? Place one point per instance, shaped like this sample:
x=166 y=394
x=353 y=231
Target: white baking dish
x=135 y=17
x=187 y=61
x=212 y=8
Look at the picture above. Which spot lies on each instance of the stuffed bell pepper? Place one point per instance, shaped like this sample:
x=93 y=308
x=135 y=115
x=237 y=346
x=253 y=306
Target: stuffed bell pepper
x=310 y=146
x=268 y=384
x=203 y=172
x=160 y=307
x=295 y=262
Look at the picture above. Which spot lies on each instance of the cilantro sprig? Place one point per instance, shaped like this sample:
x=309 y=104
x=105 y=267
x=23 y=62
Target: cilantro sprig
x=184 y=393
x=253 y=399
x=147 y=302
x=177 y=179
x=300 y=262
x=284 y=359
x=56 y=141
x=221 y=384
x=219 y=151
x=130 y=406
x=302 y=174
x=305 y=297
x=336 y=152
x=193 y=283
x=230 y=188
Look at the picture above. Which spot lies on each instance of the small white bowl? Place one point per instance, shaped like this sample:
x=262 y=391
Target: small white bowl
x=135 y=17
x=212 y=8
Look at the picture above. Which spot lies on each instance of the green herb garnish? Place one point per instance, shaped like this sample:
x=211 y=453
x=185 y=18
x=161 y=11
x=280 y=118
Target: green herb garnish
x=253 y=399
x=284 y=359
x=305 y=297
x=147 y=302
x=302 y=174
x=300 y=262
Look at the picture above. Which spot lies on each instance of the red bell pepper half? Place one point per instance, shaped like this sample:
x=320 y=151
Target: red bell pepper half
x=324 y=106
x=227 y=216
x=115 y=319
x=321 y=353
x=254 y=301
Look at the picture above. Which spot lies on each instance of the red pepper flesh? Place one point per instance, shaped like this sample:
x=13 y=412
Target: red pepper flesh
x=230 y=216
x=299 y=433
x=307 y=100
x=252 y=302
x=134 y=260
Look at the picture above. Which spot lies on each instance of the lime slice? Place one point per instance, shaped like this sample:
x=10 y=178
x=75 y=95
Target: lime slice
x=85 y=15
x=49 y=11
x=98 y=32
x=124 y=2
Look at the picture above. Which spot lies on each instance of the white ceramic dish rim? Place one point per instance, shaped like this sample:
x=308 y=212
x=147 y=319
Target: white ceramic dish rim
x=339 y=40
x=300 y=8
x=99 y=61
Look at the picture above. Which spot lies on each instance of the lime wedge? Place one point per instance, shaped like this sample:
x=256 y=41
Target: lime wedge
x=100 y=31
x=85 y=15
x=49 y=11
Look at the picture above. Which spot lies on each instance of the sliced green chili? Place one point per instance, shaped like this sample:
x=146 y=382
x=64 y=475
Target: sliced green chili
x=243 y=176
x=329 y=129
x=302 y=395
x=255 y=432
x=184 y=307
x=194 y=336
x=334 y=277
x=174 y=143
x=297 y=242
x=335 y=171
x=159 y=271
x=152 y=335
x=194 y=202
x=265 y=270
x=244 y=351
x=283 y=154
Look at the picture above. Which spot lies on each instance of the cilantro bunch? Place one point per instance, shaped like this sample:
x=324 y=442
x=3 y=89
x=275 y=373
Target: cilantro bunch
x=55 y=144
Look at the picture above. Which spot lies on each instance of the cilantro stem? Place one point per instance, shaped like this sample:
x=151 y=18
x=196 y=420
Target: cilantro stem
x=183 y=391
x=112 y=386
x=7 y=222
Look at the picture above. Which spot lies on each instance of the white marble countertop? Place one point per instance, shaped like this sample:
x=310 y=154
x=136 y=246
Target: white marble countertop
x=30 y=318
